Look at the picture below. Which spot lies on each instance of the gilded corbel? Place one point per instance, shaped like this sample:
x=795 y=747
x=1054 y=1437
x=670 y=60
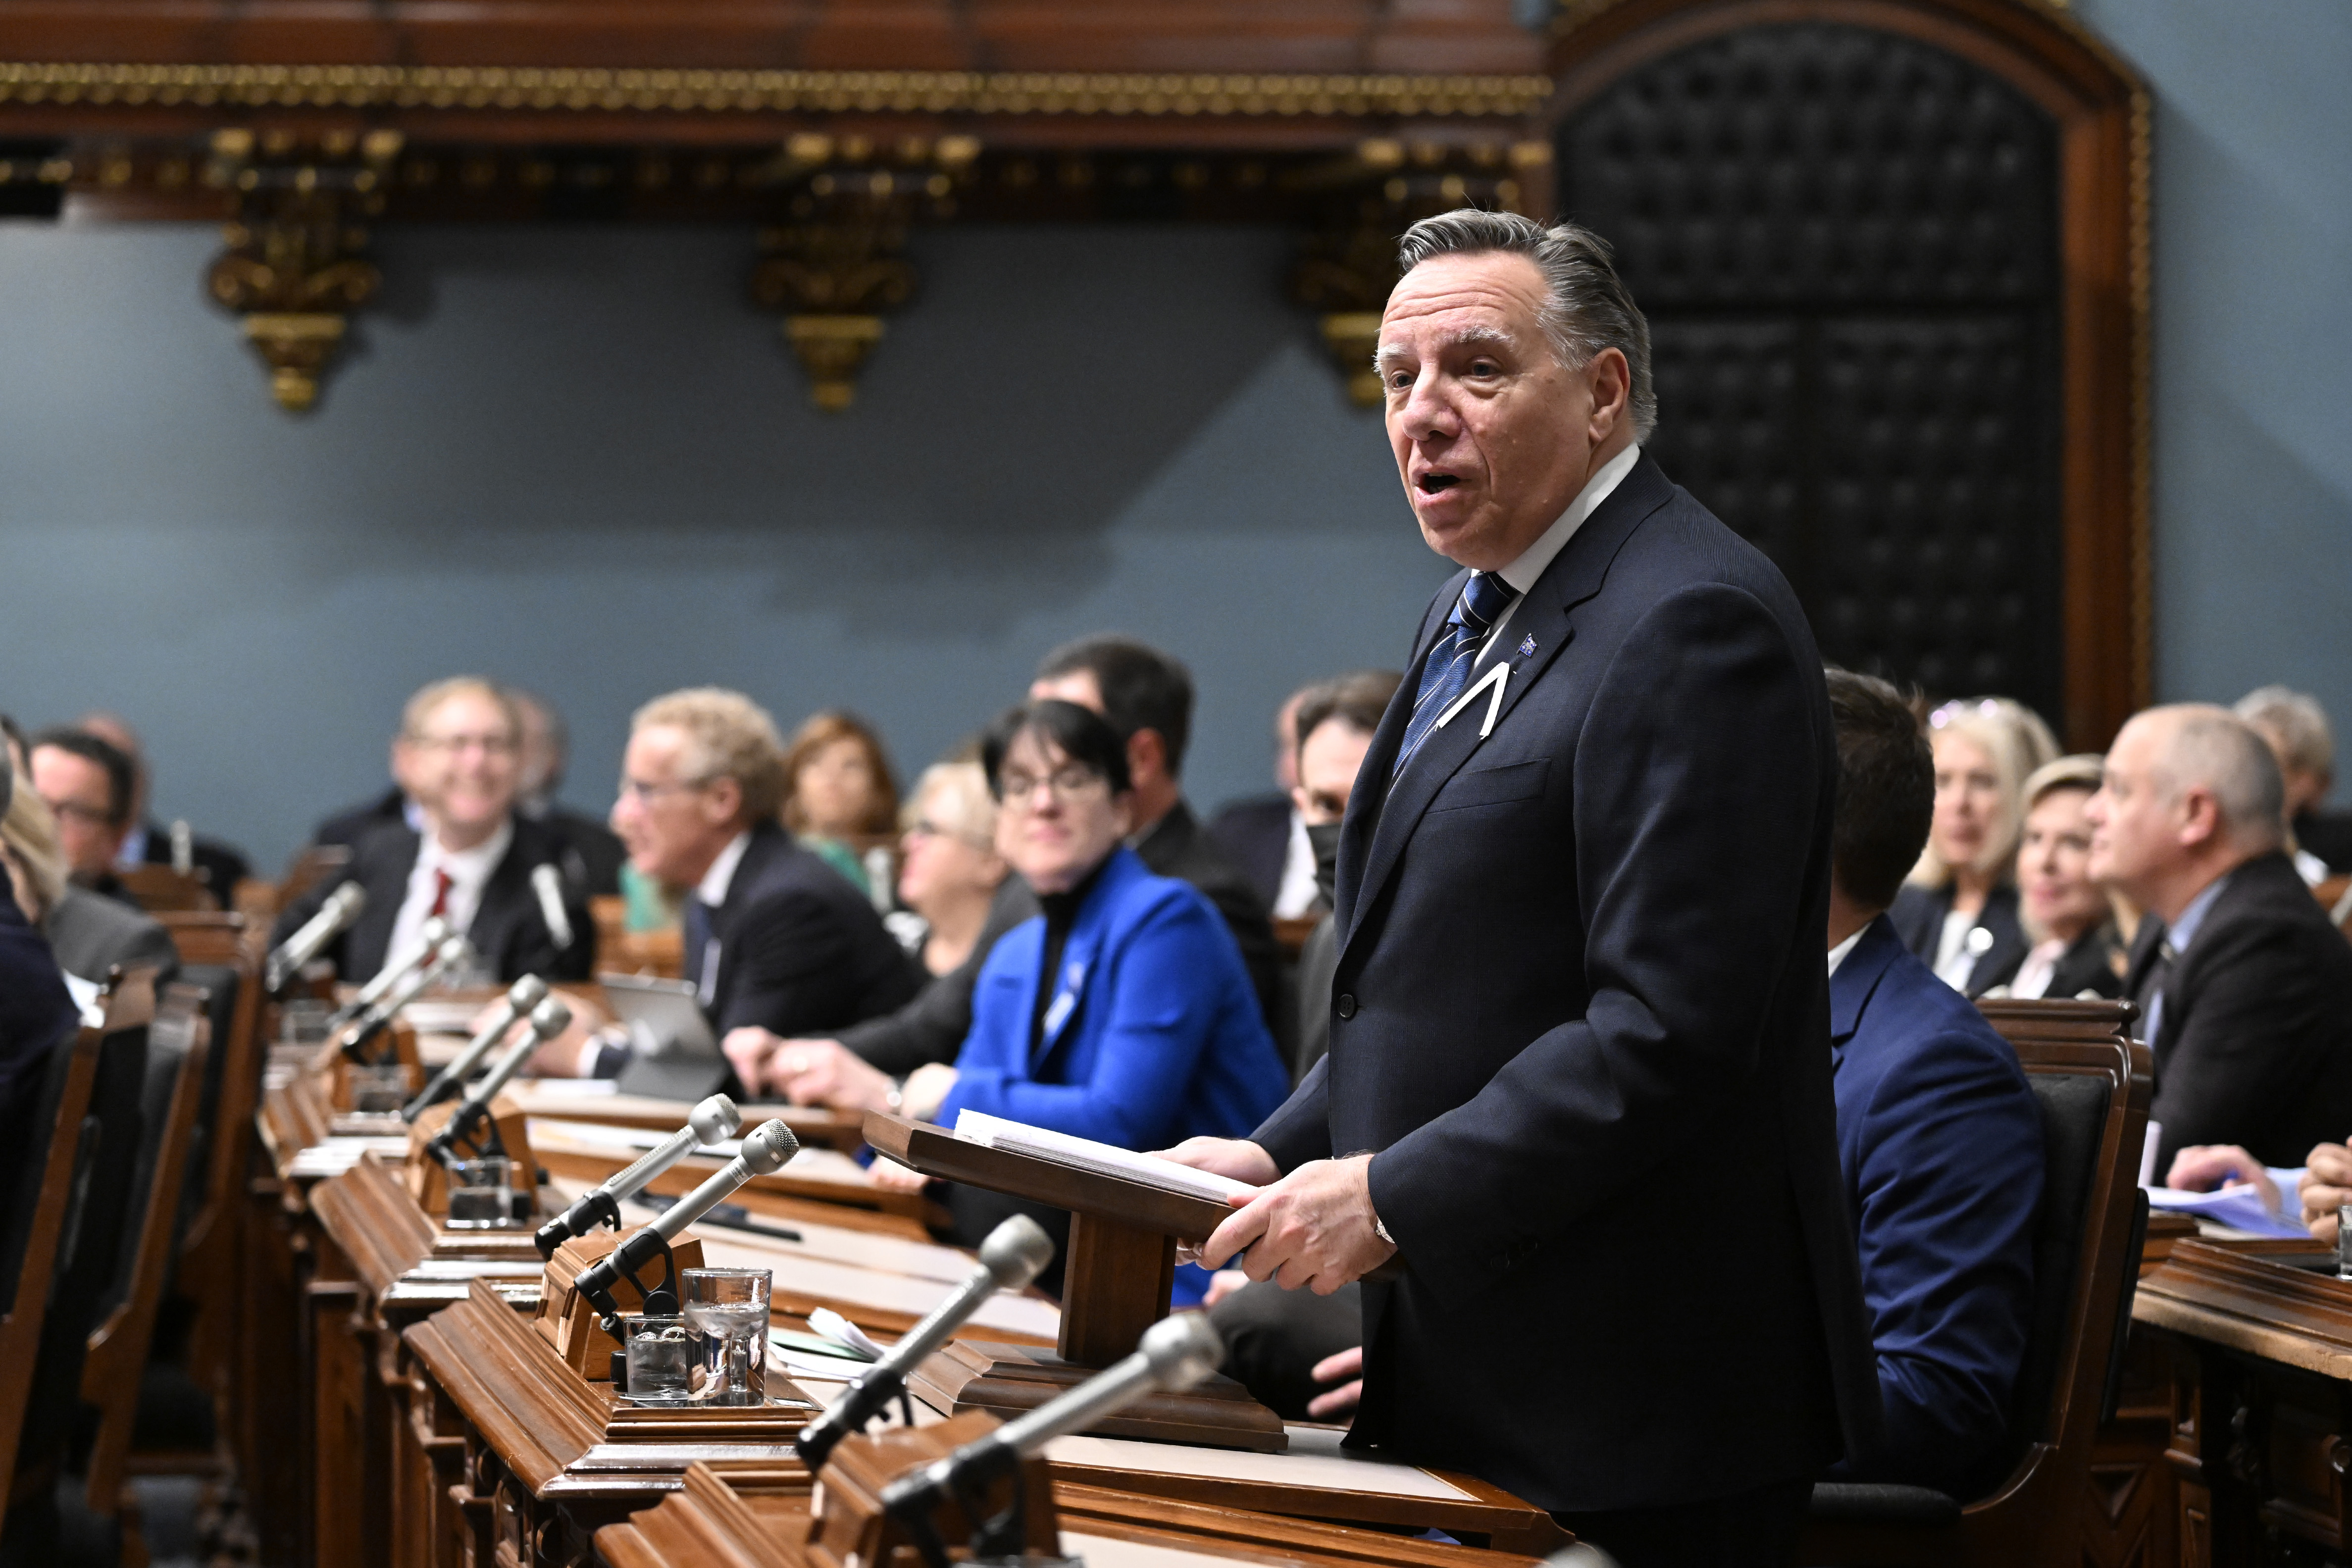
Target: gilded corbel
x=296 y=265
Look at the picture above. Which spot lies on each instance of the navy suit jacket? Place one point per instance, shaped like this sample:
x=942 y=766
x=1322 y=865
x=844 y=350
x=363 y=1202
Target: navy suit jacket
x=1579 y=964
x=801 y=952
x=1940 y=1145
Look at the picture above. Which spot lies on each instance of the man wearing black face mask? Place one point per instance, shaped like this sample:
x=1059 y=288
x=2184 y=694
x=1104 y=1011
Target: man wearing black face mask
x=1335 y=726
x=1273 y=1337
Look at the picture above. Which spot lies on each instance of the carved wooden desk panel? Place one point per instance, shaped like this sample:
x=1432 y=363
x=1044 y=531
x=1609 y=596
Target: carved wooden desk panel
x=544 y=1459
x=2261 y=1409
x=760 y=1523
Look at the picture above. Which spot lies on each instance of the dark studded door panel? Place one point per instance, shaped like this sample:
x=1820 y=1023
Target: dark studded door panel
x=1845 y=244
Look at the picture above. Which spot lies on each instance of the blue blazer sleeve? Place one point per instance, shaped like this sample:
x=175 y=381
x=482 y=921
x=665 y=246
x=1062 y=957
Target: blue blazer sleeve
x=1948 y=1187
x=1148 y=1024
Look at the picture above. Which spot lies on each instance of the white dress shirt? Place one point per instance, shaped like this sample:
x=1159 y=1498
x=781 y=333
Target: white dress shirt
x=1298 y=892
x=712 y=891
x=469 y=871
x=1522 y=573
x=1838 y=954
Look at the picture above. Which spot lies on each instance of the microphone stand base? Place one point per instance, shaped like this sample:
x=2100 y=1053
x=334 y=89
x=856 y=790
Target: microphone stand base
x=1009 y=1380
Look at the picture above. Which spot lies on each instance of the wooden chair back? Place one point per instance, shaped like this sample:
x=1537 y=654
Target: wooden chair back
x=159 y=888
x=206 y=935
x=2080 y=1058
x=208 y=1274
x=177 y=1043
x=52 y=1262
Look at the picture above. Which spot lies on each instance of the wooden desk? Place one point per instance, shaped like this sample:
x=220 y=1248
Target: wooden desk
x=543 y=1458
x=2260 y=1409
x=762 y=1520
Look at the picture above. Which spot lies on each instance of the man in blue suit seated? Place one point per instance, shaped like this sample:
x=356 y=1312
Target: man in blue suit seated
x=1122 y=1012
x=1938 y=1137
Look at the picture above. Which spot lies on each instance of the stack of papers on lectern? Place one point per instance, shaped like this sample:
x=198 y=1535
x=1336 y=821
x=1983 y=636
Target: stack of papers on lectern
x=1101 y=1159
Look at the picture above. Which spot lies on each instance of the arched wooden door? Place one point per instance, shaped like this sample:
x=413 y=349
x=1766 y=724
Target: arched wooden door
x=1892 y=253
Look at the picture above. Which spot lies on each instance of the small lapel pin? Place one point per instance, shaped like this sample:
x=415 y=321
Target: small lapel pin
x=1528 y=646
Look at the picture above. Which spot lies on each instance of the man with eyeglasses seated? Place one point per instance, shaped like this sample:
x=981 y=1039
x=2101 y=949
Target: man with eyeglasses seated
x=471 y=860
x=774 y=938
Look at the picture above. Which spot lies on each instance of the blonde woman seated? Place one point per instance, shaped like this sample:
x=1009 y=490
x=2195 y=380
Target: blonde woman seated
x=2068 y=917
x=1958 y=910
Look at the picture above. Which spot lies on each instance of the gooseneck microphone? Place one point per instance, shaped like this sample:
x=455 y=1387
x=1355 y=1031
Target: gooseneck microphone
x=548 y=884
x=524 y=995
x=334 y=918
x=1173 y=1354
x=453 y=952
x=1015 y=1253
x=764 y=1153
x=548 y=1019
x=714 y=1119
x=397 y=969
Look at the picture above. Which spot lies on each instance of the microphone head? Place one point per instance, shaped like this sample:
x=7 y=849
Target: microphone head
x=550 y=1019
x=1016 y=1252
x=434 y=932
x=1182 y=1350
x=714 y=1119
x=347 y=900
x=544 y=874
x=453 y=951
x=766 y=1150
x=526 y=994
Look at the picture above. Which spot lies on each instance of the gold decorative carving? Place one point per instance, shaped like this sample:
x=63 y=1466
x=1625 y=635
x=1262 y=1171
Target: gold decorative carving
x=837 y=261
x=564 y=89
x=1347 y=262
x=296 y=265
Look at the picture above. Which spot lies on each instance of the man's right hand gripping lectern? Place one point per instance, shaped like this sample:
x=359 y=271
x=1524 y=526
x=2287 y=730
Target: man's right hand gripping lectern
x=1121 y=1263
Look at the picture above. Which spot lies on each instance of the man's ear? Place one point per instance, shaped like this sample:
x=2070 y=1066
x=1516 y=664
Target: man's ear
x=1612 y=380
x=2201 y=818
x=1147 y=756
x=724 y=801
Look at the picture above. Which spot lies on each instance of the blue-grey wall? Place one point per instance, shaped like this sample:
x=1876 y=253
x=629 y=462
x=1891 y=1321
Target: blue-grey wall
x=574 y=459
x=2252 y=261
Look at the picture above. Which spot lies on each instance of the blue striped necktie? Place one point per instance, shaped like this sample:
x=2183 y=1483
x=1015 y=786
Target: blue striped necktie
x=1446 y=672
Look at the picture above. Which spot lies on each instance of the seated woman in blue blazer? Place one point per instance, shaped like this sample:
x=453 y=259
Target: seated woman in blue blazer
x=1123 y=1013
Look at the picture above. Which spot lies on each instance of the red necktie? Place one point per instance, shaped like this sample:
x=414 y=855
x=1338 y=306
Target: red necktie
x=441 y=882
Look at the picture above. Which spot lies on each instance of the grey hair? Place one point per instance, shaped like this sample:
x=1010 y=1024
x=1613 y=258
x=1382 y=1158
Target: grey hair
x=2213 y=749
x=2300 y=723
x=1587 y=306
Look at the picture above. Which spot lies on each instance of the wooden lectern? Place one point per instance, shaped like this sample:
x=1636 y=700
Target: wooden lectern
x=1122 y=1261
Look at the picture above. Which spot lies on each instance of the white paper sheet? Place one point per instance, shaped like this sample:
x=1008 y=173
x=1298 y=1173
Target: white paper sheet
x=1316 y=1459
x=1085 y=1153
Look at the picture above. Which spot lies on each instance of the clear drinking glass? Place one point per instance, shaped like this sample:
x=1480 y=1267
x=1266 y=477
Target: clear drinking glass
x=303 y=1021
x=378 y=1090
x=2343 y=1242
x=660 y=1351
x=481 y=1194
x=727 y=1313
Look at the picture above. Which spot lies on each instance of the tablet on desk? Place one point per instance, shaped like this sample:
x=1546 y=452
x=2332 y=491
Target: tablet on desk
x=673 y=1054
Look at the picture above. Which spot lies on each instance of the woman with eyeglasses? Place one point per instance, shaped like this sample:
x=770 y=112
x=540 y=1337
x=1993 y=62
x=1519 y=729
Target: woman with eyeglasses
x=1958 y=910
x=1121 y=1013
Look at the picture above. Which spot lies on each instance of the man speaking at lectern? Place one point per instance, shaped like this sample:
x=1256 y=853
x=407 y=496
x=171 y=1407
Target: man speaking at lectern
x=1578 y=1079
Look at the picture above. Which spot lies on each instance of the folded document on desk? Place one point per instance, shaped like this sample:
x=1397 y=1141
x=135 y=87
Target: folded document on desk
x=1101 y=1159
x=2240 y=1207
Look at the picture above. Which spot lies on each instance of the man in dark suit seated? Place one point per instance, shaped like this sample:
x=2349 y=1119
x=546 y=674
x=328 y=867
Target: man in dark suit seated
x=1938 y=1137
x=218 y=866
x=1148 y=697
x=594 y=852
x=1263 y=836
x=2245 y=989
x=36 y=1012
x=2297 y=728
x=776 y=942
x=88 y=785
x=471 y=865
x=1583 y=879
